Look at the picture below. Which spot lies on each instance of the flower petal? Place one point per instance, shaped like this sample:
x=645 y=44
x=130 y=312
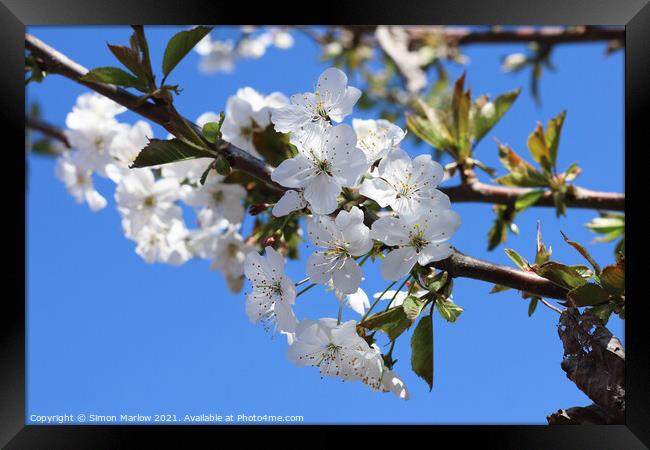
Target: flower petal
x=398 y=263
x=348 y=278
x=379 y=191
x=291 y=201
x=321 y=193
x=293 y=172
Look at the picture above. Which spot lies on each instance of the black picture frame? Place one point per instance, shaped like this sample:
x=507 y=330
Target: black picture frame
x=633 y=14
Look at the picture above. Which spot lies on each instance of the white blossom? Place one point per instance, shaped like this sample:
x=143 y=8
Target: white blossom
x=165 y=244
x=217 y=56
x=229 y=254
x=188 y=170
x=514 y=62
x=273 y=292
x=126 y=146
x=391 y=382
x=252 y=47
x=358 y=301
x=291 y=201
x=341 y=239
x=144 y=201
x=247 y=113
x=408 y=186
x=377 y=137
x=337 y=350
x=327 y=160
x=223 y=199
x=419 y=238
x=332 y=100
x=93 y=110
x=91 y=129
x=79 y=182
x=281 y=38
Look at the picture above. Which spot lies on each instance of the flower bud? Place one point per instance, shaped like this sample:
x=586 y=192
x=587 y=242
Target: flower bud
x=268 y=242
x=514 y=61
x=258 y=208
x=222 y=166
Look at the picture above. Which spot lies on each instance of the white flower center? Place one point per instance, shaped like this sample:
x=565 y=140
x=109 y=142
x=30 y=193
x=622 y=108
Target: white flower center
x=99 y=144
x=320 y=110
x=405 y=189
x=149 y=201
x=217 y=197
x=271 y=289
x=322 y=166
x=232 y=250
x=416 y=238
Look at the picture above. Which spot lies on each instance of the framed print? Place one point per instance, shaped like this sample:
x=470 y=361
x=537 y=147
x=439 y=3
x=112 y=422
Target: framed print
x=379 y=214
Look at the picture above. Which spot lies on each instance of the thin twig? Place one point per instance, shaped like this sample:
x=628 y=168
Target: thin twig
x=554 y=308
x=47 y=129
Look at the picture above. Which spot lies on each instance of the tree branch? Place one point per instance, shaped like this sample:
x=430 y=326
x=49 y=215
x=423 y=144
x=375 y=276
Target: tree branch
x=458 y=265
x=549 y=35
x=504 y=195
x=55 y=62
x=47 y=129
x=542 y=35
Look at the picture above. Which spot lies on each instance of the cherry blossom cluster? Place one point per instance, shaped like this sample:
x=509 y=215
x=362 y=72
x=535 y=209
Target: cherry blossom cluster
x=365 y=157
x=151 y=201
x=413 y=229
x=221 y=55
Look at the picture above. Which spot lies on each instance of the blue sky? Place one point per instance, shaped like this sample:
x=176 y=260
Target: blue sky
x=109 y=334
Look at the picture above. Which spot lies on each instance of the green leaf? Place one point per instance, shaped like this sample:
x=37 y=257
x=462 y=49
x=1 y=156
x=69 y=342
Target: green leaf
x=44 y=146
x=498 y=288
x=538 y=149
x=517 y=259
x=180 y=45
x=449 y=310
x=611 y=226
x=563 y=276
x=542 y=255
x=528 y=199
x=532 y=305
x=438 y=282
x=583 y=270
x=138 y=41
x=583 y=251
x=160 y=151
x=212 y=131
x=204 y=175
x=431 y=129
x=412 y=307
x=588 y=295
x=603 y=312
x=130 y=58
x=422 y=350
x=620 y=247
x=393 y=322
x=497 y=234
x=613 y=278
x=572 y=172
x=560 y=204
x=484 y=120
x=553 y=130
x=222 y=166
x=522 y=173
x=116 y=76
